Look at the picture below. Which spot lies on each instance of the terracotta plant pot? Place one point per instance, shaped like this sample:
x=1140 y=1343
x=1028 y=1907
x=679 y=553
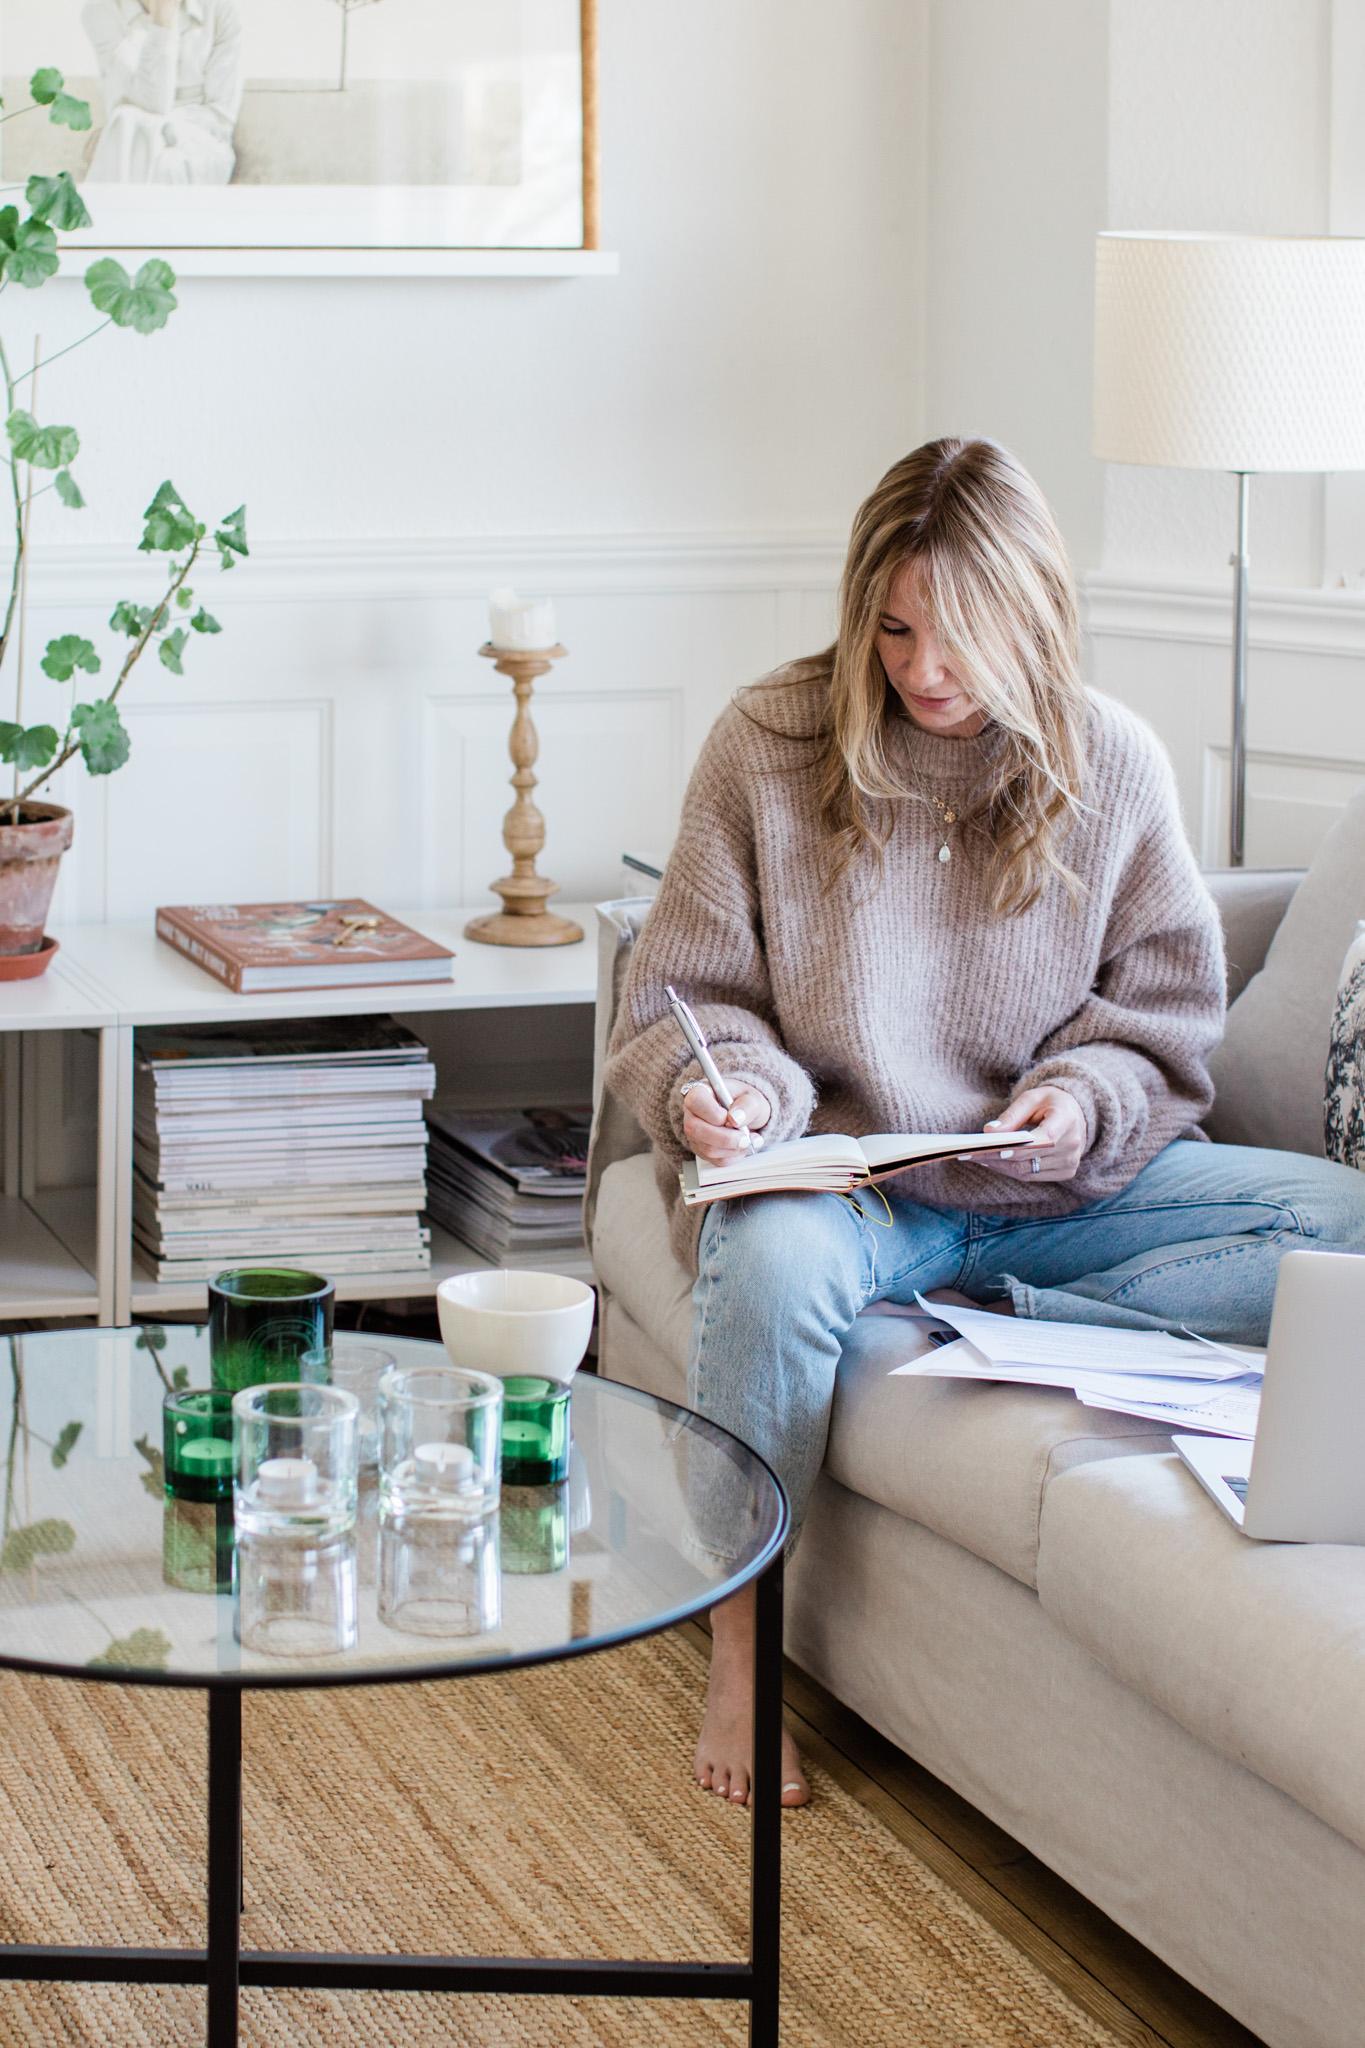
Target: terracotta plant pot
x=29 y=853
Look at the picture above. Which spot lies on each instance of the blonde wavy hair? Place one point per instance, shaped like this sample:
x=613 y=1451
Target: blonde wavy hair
x=997 y=587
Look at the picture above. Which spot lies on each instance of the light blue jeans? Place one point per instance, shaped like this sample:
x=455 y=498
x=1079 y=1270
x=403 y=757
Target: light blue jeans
x=1196 y=1239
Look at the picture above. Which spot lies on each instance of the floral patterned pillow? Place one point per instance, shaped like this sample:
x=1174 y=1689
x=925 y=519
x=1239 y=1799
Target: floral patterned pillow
x=1343 y=1110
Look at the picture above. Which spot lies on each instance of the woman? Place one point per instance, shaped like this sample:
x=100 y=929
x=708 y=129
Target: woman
x=926 y=881
x=171 y=73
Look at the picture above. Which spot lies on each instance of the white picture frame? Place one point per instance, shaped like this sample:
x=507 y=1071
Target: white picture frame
x=228 y=137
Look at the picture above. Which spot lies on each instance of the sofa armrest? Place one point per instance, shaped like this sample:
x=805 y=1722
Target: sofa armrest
x=1251 y=902
x=616 y=1134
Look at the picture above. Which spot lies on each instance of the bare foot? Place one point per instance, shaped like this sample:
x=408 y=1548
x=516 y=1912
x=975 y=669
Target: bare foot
x=724 y=1756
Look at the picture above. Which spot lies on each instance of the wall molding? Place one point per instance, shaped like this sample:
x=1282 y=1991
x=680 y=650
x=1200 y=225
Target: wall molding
x=1291 y=621
x=394 y=570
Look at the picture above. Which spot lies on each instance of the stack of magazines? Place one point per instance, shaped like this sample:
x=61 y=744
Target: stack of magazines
x=281 y=1143
x=510 y=1182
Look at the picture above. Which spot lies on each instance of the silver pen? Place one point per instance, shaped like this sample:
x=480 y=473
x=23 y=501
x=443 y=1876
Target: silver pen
x=696 y=1038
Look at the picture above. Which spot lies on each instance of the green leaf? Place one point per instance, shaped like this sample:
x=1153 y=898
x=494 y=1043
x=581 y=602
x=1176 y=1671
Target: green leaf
x=45 y=85
x=204 y=622
x=31 y=749
x=144 y=302
x=44 y=447
x=28 y=249
x=184 y=597
x=68 y=490
x=153 y=1480
x=150 y=1338
x=172 y=648
x=230 y=539
x=146 y=1649
x=131 y=619
x=65 y=1444
x=170 y=523
x=69 y=112
x=49 y=1538
x=180 y=1379
x=57 y=201
x=105 y=745
x=66 y=655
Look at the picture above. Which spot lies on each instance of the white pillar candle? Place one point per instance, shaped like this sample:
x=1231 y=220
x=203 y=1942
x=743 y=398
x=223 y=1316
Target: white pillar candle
x=287 y=1482
x=520 y=625
x=447 y=1466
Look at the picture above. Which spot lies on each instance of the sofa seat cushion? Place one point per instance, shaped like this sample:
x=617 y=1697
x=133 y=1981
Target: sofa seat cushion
x=634 y=1260
x=1257 y=1648
x=970 y=1460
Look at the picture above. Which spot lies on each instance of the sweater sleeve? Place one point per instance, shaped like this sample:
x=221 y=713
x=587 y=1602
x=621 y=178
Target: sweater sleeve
x=704 y=934
x=1135 y=1054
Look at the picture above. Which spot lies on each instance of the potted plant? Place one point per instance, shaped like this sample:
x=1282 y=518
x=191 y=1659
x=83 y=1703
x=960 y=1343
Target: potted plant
x=34 y=834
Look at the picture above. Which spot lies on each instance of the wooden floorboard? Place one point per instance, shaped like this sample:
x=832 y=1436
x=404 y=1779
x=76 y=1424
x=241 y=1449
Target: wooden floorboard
x=1104 y=1970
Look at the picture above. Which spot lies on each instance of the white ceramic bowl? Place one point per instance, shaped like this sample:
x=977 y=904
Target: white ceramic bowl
x=509 y=1323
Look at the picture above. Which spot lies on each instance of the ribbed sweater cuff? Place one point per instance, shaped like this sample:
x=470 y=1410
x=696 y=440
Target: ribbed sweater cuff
x=772 y=1072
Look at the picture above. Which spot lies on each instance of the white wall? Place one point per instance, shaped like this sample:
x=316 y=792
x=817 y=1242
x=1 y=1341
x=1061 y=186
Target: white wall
x=1016 y=185
x=677 y=451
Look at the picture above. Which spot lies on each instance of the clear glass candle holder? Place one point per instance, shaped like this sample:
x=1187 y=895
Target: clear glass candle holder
x=439 y=1439
x=196 y=1441
x=535 y=1431
x=439 y=1577
x=263 y=1322
x=357 y=1366
x=296 y=1452
x=296 y=1599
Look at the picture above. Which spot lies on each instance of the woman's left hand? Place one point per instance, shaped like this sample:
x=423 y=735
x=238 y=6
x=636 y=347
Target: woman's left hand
x=1046 y=1113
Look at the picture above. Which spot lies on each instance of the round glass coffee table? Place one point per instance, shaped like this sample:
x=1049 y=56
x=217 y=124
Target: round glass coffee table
x=103 y=1576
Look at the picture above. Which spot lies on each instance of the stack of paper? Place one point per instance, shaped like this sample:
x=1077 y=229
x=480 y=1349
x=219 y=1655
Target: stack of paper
x=279 y=1142
x=1187 y=1382
x=510 y=1182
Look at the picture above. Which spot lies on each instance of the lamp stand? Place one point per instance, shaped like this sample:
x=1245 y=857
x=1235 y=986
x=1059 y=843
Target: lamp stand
x=523 y=919
x=1237 y=797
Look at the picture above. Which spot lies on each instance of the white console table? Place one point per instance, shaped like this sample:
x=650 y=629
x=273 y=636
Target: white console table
x=68 y=1251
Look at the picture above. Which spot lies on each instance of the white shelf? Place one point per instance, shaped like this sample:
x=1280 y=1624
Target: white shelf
x=64 y=998
x=150 y=983
x=354 y=262
x=38 y=1275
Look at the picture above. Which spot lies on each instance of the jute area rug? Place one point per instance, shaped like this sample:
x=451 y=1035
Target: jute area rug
x=550 y=1812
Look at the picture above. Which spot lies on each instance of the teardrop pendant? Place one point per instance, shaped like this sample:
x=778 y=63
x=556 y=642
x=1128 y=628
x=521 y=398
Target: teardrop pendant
x=944 y=855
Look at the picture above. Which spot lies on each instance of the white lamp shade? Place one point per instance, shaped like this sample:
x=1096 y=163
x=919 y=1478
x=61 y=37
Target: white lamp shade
x=1230 y=351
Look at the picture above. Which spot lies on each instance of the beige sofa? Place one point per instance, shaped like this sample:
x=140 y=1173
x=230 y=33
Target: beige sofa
x=1036 y=1600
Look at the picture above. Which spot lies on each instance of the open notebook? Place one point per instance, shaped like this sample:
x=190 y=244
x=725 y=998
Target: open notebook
x=835 y=1165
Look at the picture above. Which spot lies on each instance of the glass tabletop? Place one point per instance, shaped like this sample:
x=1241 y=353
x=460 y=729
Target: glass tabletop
x=102 y=1574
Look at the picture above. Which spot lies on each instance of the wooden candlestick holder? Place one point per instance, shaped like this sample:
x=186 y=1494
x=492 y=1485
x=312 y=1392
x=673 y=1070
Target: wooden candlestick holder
x=523 y=919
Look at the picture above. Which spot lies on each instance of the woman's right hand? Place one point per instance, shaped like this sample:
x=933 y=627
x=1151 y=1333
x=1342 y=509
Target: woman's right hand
x=708 y=1130
x=163 y=12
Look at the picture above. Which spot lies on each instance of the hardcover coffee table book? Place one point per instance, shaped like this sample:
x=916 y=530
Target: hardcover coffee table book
x=255 y=947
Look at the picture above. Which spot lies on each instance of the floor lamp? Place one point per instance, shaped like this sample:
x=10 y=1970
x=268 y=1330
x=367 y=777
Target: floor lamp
x=1236 y=352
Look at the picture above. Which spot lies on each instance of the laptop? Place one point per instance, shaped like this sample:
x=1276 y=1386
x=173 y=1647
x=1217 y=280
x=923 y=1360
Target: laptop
x=1303 y=1479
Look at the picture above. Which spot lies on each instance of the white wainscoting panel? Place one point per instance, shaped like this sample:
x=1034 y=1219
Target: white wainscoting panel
x=609 y=774
x=219 y=802
x=343 y=732
x=1167 y=651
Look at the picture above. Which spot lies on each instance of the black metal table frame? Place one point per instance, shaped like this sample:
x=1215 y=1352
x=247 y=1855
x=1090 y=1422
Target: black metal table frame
x=224 y=1968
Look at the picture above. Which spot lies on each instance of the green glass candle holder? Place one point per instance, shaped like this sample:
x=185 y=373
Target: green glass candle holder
x=196 y=1437
x=535 y=1431
x=535 y=1528
x=267 y=1324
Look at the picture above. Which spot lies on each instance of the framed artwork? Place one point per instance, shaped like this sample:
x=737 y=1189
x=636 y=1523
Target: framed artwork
x=379 y=125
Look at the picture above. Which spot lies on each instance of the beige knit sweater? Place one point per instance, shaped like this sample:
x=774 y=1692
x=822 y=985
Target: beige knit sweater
x=911 y=1006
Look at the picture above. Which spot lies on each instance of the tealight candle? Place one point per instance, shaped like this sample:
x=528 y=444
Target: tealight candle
x=520 y=624
x=206 y=1457
x=288 y=1482
x=449 y=1467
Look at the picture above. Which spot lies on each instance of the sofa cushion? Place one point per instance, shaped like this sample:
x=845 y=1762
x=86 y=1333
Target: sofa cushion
x=634 y=1259
x=1257 y=1648
x=1268 y=1072
x=968 y=1460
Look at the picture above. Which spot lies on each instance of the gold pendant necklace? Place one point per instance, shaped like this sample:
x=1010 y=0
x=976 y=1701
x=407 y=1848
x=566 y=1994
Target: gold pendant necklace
x=949 y=819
